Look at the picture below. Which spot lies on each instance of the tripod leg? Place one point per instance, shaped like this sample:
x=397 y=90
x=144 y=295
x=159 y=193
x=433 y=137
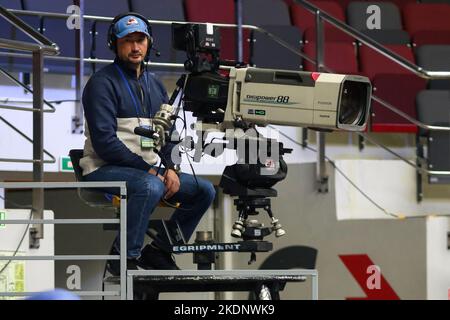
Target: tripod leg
x=238 y=226
x=276 y=226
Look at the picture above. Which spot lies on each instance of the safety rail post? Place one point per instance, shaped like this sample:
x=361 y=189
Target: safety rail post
x=78 y=119
x=38 y=49
x=321 y=171
x=37 y=231
x=239 y=38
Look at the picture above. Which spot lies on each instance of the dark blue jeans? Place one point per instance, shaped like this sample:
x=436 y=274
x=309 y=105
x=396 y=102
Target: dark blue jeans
x=144 y=193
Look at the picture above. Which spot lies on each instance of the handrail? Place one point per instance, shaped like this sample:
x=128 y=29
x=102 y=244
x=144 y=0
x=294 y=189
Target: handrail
x=42 y=47
x=427 y=74
x=340 y=25
x=121 y=221
x=13 y=79
x=169 y=22
x=44 y=44
x=90 y=60
x=25 y=46
x=53 y=159
x=421 y=72
x=392 y=56
x=418 y=169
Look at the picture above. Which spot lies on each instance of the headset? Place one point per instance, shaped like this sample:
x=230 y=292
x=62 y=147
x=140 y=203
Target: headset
x=112 y=40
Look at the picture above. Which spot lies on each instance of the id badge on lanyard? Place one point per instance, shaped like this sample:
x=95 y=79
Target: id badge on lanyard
x=147 y=143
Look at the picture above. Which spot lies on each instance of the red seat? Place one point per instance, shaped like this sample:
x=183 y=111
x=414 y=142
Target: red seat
x=421 y=38
x=305 y=20
x=343 y=62
x=218 y=11
x=221 y=11
x=372 y=62
x=288 y=2
x=427 y=22
x=399 y=3
x=399 y=90
x=395 y=85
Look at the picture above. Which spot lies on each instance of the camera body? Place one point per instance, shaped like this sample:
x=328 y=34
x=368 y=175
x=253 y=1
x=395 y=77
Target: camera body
x=294 y=98
x=243 y=98
x=266 y=96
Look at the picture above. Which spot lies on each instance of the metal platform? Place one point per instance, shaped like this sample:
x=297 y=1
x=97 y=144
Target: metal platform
x=152 y=282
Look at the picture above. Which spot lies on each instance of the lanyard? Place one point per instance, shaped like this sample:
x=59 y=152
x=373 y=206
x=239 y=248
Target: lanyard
x=133 y=97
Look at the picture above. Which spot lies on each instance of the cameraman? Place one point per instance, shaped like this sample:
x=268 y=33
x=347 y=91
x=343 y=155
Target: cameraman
x=116 y=99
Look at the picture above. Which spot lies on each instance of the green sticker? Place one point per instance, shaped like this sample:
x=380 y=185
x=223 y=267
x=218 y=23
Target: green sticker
x=260 y=112
x=147 y=143
x=2 y=217
x=66 y=164
x=213 y=91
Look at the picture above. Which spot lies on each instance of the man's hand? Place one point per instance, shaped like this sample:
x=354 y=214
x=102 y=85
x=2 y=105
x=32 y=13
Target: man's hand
x=172 y=183
x=153 y=172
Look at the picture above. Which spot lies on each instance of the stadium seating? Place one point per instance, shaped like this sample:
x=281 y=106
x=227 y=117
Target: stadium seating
x=435 y=1
x=266 y=53
x=395 y=85
x=56 y=30
x=435 y=58
x=162 y=34
x=265 y=12
x=390 y=31
x=305 y=20
x=428 y=23
x=6 y=30
x=96 y=32
x=340 y=57
x=433 y=109
x=219 y=11
x=399 y=3
x=272 y=16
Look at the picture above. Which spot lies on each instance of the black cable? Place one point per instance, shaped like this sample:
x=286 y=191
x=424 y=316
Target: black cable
x=103 y=280
x=355 y=186
x=19 y=245
x=184 y=124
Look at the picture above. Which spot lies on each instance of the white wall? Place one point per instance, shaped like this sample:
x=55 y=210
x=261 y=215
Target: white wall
x=438 y=259
x=39 y=275
x=391 y=184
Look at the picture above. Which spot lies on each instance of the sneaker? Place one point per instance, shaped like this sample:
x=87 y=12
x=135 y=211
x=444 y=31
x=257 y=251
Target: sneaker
x=154 y=258
x=113 y=266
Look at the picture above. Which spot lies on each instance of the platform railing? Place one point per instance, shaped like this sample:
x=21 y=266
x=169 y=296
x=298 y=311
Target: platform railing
x=122 y=221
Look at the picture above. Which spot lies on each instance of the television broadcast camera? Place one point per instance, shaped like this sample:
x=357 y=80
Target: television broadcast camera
x=249 y=97
x=237 y=101
x=265 y=96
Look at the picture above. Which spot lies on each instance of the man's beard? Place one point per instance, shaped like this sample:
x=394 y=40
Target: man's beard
x=132 y=64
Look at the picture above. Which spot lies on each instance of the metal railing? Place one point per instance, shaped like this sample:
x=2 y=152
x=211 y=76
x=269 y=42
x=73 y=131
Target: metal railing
x=43 y=46
x=321 y=17
x=122 y=221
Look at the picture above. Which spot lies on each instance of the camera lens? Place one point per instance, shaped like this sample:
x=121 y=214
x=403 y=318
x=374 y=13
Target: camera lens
x=353 y=103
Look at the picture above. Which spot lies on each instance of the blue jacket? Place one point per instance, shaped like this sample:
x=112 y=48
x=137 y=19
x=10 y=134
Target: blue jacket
x=112 y=110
